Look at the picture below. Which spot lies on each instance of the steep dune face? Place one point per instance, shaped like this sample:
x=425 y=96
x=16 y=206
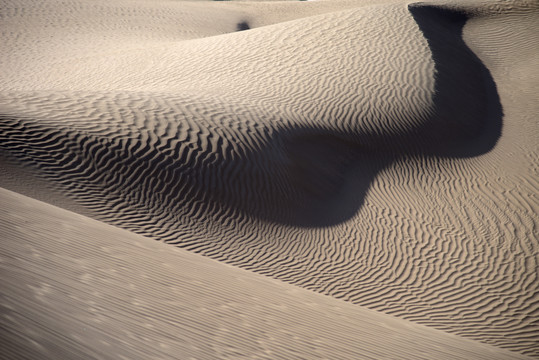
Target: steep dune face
x=377 y=154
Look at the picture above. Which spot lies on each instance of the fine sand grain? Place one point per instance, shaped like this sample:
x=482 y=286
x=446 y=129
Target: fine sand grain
x=383 y=153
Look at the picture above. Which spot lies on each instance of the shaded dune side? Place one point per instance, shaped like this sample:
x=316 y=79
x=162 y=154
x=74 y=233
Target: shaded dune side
x=293 y=165
x=467 y=109
x=169 y=171
x=171 y=162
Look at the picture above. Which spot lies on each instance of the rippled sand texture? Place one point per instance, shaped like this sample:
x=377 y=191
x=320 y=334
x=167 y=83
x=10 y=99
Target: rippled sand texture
x=385 y=154
x=89 y=290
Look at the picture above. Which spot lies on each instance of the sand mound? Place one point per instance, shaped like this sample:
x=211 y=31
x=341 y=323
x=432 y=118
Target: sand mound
x=384 y=154
x=119 y=293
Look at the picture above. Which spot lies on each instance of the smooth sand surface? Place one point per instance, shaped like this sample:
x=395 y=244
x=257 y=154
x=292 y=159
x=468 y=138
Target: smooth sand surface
x=382 y=153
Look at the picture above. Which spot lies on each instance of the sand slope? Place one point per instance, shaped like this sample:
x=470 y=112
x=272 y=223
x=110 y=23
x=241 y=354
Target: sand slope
x=381 y=153
x=76 y=288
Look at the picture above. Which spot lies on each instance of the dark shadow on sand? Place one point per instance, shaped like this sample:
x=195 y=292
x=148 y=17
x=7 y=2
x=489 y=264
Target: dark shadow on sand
x=242 y=26
x=331 y=174
x=308 y=177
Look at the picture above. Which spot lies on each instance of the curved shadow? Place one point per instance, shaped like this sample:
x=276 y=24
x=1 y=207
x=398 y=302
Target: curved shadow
x=468 y=111
x=329 y=174
x=302 y=176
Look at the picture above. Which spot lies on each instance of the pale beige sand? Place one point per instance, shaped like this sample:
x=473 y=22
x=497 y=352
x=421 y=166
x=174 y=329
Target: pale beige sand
x=75 y=288
x=384 y=153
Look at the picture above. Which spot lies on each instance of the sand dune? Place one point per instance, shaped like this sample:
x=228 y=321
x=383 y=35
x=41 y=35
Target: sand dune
x=382 y=153
x=77 y=288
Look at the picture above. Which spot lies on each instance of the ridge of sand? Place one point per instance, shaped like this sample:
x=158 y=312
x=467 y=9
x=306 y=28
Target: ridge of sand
x=385 y=154
x=73 y=287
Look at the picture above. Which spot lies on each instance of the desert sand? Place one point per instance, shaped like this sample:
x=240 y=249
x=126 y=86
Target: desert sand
x=269 y=179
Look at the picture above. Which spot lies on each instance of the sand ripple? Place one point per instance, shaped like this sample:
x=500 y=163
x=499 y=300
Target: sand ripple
x=360 y=154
